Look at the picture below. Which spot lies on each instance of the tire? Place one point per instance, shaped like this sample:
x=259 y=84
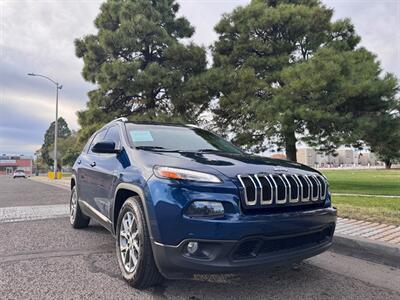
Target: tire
x=76 y=217
x=136 y=240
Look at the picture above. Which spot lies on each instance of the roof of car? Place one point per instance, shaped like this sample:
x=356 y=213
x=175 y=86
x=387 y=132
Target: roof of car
x=159 y=123
x=125 y=120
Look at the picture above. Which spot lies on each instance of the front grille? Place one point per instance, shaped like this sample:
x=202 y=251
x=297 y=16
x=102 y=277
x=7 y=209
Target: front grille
x=282 y=190
x=258 y=246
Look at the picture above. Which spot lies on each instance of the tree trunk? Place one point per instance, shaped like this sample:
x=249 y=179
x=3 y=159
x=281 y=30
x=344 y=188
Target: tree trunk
x=388 y=164
x=290 y=146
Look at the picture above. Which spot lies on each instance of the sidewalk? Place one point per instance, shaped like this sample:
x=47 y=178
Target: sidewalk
x=368 y=230
x=366 y=195
x=36 y=212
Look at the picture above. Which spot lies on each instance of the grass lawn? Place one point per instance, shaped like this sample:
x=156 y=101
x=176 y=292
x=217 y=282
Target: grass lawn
x=367 y=182
x=376 y=209
x=374 y=182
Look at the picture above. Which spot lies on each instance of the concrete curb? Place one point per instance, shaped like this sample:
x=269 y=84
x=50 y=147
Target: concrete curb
x=374 y=251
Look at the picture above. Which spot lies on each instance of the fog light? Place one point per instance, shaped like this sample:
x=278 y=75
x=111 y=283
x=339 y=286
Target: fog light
x=205 y=209
x=192 y=247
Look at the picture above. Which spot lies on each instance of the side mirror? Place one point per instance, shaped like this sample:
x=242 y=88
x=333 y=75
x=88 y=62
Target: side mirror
x=105 y=147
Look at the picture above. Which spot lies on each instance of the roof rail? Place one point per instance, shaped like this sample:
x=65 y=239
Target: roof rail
x=122 y=119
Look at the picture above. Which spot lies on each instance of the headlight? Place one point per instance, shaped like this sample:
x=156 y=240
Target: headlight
x=176 y=173
x=205 y=209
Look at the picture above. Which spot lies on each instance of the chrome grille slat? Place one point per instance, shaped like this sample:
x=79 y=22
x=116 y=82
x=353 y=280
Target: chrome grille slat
x=297 y=188
x=282 y=189
x=275 y=188
x=312 y=178
x=278 y=200
x=319 y=187
x=288 y=188
x=310 y=188
x=255 y=191
x=300 y=185
x=245 y=189
x=305 y=188
x=262 y=199
x=324 y=188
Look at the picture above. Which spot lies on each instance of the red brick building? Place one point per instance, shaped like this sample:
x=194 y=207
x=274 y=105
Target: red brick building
x=10 y=163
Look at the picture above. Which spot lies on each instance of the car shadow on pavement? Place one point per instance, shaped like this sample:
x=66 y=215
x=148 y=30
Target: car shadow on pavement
x=290 y=282
x=95 y=227
x=301 y=281
x=51 y=256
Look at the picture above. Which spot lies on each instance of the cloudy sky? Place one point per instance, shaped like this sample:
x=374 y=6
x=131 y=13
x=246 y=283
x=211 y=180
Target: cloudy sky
x=37 y=36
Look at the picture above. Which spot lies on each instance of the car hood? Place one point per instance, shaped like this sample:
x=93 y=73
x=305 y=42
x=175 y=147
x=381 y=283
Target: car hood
x=228 y=164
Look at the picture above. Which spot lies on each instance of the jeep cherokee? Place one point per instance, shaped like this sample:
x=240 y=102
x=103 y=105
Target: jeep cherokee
x=181 y=200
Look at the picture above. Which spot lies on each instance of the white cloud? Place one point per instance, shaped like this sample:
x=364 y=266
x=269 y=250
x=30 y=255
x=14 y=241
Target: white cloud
x=17 y=146
x=45 y=30
x=205 y=14
x=377 y=22
x=42 y=108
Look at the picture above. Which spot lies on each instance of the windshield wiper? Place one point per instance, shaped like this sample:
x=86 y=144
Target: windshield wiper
x=155 y=148
x=149 y=147
x=209 y=150
x=162 y=149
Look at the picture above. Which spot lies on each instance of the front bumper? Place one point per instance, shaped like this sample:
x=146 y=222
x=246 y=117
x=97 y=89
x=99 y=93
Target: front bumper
x=269 y=241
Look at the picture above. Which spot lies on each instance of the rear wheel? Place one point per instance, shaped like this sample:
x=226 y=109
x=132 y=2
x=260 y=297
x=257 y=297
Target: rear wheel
x=133 y=246
x=76 y=216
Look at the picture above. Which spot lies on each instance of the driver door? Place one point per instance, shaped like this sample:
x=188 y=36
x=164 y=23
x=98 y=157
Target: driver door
x=86 y=179
x=105 y=174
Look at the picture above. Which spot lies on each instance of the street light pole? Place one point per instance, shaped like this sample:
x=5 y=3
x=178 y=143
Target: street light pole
x=56 y=134
x=58 y=87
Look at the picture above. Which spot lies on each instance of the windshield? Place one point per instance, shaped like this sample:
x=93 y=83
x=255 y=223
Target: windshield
x=177 y=138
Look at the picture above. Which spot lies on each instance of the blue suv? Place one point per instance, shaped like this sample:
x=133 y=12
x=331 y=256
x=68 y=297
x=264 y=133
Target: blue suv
x=181 y=200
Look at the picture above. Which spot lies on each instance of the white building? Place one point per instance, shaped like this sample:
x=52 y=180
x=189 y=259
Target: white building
x=343 y=157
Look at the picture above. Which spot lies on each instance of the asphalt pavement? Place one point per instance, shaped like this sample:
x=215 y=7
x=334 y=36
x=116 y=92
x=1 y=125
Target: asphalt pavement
x=24 y=192
x=47 y=259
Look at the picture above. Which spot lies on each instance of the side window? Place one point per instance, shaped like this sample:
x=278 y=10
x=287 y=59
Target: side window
x=98 y=138
x=114 y=136
x=87 y=145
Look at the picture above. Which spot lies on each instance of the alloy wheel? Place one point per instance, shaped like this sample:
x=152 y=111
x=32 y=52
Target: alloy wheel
x=129 y=242
x=73 y=206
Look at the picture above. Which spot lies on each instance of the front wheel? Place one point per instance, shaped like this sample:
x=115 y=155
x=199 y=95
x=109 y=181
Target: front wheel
x=133 y=246
x=76 y=216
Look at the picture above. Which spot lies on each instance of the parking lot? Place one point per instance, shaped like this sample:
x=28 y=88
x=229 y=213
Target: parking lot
x=46 y=259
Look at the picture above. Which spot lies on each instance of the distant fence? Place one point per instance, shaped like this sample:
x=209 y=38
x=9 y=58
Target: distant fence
x=357 y=167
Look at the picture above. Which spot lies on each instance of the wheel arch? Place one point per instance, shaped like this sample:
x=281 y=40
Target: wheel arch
x=122 y=193
x=73 y=182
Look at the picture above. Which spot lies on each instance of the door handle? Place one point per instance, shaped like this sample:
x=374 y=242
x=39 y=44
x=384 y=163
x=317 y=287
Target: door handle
x=93 y=164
